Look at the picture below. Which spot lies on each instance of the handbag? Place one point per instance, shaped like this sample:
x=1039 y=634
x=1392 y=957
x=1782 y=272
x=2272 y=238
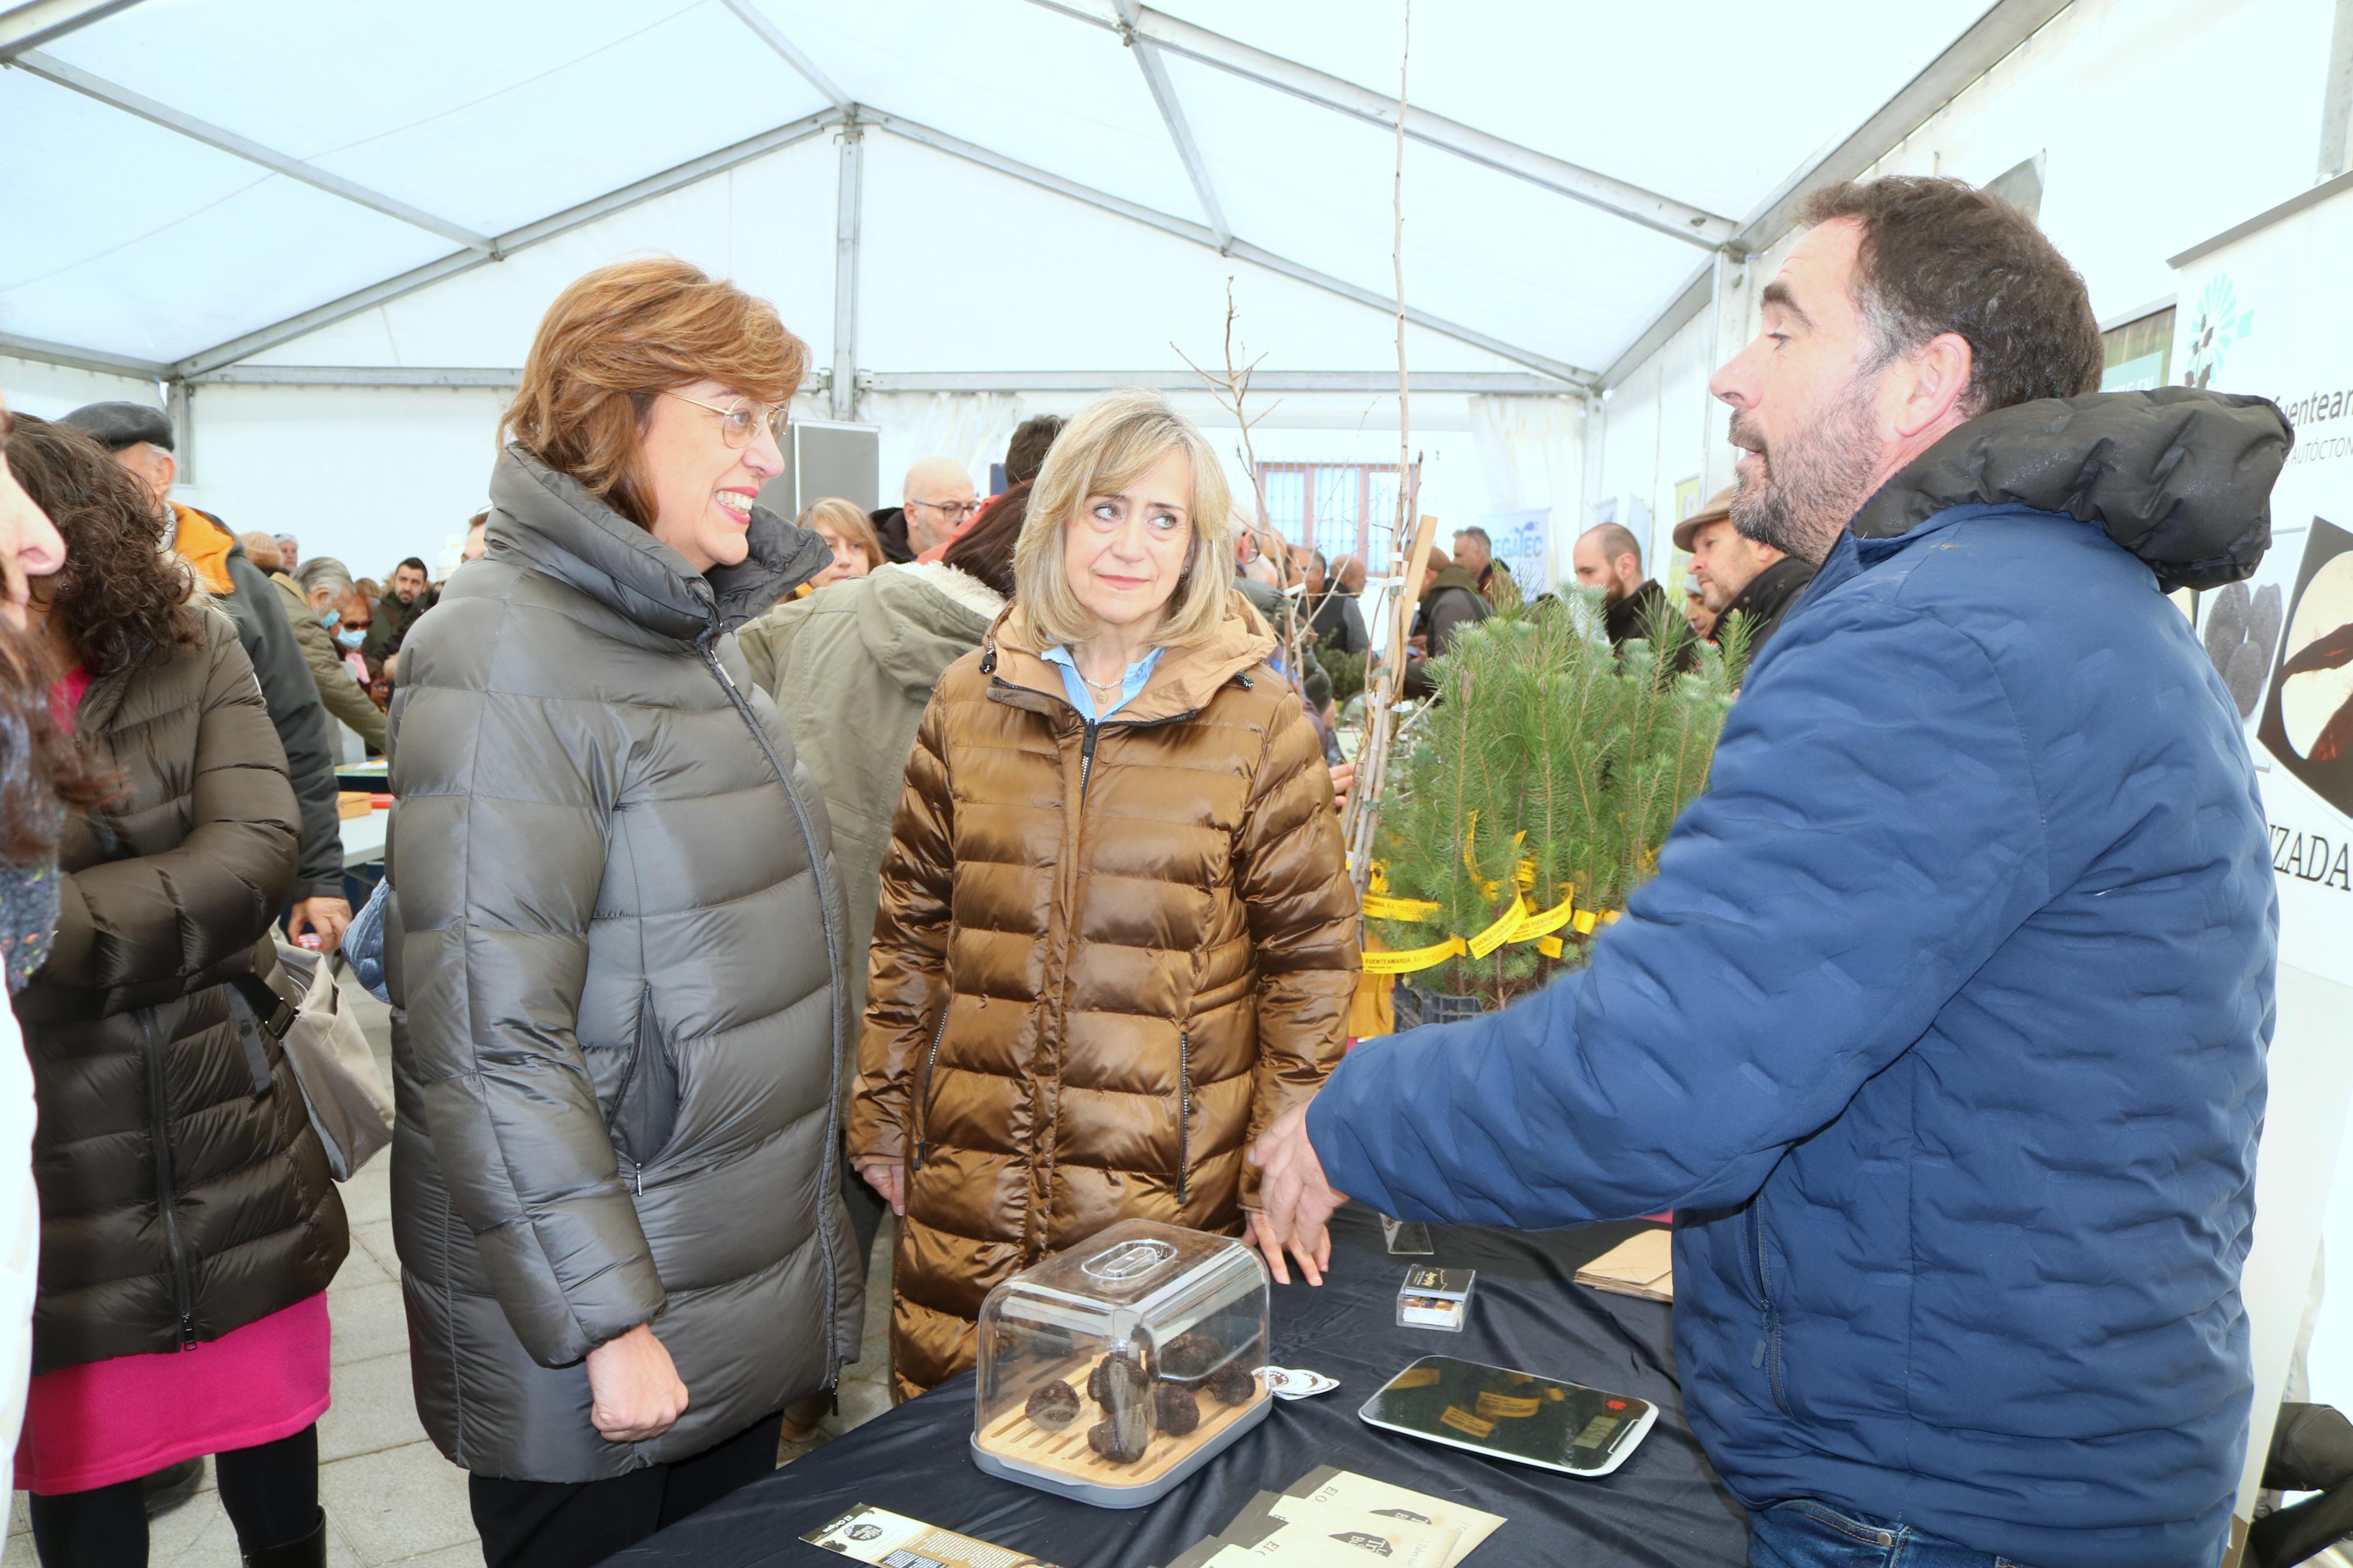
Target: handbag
x=349 y=1103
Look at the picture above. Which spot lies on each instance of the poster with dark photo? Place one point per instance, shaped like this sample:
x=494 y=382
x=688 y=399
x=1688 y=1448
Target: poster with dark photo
x=2308 y=718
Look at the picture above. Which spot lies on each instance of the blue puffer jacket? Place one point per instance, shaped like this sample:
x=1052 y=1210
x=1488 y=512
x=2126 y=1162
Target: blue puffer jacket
x=1942 y=1025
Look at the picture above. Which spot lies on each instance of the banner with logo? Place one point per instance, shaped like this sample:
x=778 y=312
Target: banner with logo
x=2261 y=314
x=1523 y=541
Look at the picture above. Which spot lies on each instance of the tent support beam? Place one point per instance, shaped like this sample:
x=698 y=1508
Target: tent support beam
x=1172 y=115
x=1573 y=378
x=752 y=17
x=179 y=403
x=1986 y=43
x=1376 y=382
x=199 y=364
x=41 y=352
x=848 y=204
x=40 y=21
x=52 y=70
x=1664 y=213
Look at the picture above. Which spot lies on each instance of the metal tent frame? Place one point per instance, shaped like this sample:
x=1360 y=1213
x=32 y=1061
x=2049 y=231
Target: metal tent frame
x=1149 y=34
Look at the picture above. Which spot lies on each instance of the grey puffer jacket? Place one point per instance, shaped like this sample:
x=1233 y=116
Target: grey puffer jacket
x=616 y=939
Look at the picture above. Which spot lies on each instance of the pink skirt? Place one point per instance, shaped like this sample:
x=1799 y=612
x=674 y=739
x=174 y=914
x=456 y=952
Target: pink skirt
x=107 y=1421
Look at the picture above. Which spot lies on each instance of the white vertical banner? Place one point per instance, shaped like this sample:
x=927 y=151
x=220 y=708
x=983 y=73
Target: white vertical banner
x=2262 y=313
x=1532 y=459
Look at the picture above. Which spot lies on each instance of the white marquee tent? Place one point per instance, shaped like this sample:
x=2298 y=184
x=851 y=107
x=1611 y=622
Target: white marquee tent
x=323 y=232
x=959 y=204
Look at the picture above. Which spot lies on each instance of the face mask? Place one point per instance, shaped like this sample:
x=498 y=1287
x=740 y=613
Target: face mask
x=352 y=638
x=329 y=618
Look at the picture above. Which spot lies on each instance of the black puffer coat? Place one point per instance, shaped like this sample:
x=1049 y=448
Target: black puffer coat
x=617 y=935
x=147 y=1086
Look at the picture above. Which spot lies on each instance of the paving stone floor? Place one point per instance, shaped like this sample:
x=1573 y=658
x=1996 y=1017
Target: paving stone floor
x=390 y=1496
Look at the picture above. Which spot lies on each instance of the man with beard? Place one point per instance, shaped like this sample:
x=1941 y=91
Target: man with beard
x=1609 y=557
x=1960 y=1130
x=1736 y=575
x=408 y=596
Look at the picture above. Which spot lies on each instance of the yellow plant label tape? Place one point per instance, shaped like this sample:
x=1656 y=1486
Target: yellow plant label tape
x=1412 y=959
x=1380 y=905
x=1495 y=935
x=1583 y=922
x=1549 y=946
x=1548 y=920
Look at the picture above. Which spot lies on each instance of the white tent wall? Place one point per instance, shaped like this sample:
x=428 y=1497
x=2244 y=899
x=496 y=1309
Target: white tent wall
x=2232 y=91
x=49 y=390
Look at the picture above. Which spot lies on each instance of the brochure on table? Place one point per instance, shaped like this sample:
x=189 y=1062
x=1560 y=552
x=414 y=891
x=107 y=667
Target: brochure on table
x=2257 y=311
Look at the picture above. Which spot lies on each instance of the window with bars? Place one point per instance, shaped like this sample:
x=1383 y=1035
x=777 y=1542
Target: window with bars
x=1339 y=508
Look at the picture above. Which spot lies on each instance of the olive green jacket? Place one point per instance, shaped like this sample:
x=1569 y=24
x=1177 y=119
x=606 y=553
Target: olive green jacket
x=340 y=695
x=852 y=668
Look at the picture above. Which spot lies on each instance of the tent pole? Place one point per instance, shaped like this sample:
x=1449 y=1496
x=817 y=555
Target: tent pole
x=1172 y=115
x=179 y=399
x=845 y=269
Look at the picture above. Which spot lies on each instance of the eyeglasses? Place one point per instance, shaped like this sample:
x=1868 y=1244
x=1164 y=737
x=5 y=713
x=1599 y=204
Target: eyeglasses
x=958 y=510
x=739 y=419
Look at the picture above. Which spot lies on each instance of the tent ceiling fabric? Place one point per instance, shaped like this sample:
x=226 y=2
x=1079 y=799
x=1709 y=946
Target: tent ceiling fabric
x=461 y=121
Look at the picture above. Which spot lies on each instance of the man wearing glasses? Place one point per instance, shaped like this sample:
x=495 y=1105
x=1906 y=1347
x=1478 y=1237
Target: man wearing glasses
x=939 y=501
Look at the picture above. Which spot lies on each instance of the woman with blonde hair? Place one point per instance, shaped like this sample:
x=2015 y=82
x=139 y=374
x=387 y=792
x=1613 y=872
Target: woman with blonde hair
x=848 y=532
x=619 y=946
x=1115 y=936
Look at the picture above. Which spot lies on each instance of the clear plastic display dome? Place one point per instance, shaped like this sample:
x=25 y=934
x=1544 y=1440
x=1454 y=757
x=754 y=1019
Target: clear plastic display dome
x=1113 y=1370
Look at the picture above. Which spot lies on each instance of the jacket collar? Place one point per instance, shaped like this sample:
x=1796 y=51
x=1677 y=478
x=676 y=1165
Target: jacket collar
x=552 y=521
x=1182 y=683
x=1454 y=576
x=1771 y=588
x=2178 y=477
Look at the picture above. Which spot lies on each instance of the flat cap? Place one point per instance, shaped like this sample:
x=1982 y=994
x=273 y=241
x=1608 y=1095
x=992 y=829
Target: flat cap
x=1718 y=508
x=115 y=426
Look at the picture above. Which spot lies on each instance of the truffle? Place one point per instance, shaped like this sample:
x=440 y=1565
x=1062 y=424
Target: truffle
x=1054 y=1407
x=1124 y=1433
x=1190 y=1356
x=1233 y=1385
x=1113 y=1375
x=1174 y=1410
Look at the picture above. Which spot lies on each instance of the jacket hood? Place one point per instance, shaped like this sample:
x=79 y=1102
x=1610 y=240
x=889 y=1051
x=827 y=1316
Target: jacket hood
x=915 y=621
x=1182 y=682
x=2180 y=477
x=552 y=521
x=1453 y=578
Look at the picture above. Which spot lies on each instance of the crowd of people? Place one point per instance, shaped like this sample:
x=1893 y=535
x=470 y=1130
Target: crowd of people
x=976 y=861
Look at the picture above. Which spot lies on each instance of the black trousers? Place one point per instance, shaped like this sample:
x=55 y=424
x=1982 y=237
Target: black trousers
x=270 y=1493
x=571 y=1524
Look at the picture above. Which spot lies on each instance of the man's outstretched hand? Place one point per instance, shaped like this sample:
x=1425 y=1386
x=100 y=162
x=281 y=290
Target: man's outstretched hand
x=1294 y=1201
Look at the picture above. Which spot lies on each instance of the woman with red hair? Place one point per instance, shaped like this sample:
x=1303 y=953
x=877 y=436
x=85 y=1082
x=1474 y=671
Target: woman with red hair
x=617 y=934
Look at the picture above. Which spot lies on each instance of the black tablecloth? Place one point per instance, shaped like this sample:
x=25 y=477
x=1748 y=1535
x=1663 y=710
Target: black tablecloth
x=1663 y=1509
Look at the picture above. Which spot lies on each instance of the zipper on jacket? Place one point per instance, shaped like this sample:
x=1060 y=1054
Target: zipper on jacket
x=924 y=1093
x=183 y=1295
x=826 y=894
x=1768 y=1348
x=1087 y=756
x=1184 y=1112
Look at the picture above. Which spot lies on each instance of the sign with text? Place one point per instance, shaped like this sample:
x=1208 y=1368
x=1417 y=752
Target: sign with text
x=2259 y=315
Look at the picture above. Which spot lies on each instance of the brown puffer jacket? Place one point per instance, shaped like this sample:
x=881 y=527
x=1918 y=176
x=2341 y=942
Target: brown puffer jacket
x=182 y=1191
x=1106 y=956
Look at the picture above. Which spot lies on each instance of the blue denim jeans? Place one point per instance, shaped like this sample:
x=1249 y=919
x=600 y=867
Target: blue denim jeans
x=1807 y=1535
